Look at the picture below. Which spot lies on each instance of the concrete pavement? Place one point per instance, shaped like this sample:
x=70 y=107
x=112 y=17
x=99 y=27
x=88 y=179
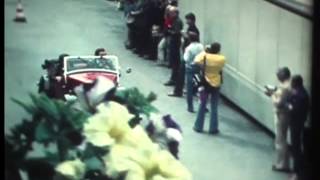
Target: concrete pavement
x=241 y=152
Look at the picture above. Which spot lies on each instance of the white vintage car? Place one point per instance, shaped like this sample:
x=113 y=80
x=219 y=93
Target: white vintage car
x=77 y=70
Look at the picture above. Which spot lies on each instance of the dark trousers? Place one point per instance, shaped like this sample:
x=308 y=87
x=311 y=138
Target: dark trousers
x=140 y=39
x=296 y=132
x=178 y=89
x=174 y=59
x=132 y=38
x=154 y=47
x=308 y=147
x=144 y=41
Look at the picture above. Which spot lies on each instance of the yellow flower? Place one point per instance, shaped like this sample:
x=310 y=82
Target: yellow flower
x=109 y=125
x=73 y=170
x=138 y=138
x=136 y=174
x=126 y=158
x=131 y=150
x=171 y=168
x=145 y=164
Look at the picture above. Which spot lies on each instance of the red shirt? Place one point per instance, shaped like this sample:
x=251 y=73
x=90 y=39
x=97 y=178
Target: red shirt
x=167 y=22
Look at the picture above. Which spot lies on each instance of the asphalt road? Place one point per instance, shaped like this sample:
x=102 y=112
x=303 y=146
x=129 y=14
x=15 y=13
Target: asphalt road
x=78 y=27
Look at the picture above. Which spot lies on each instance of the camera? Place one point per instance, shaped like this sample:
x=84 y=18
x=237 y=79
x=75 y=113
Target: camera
x=270 y=89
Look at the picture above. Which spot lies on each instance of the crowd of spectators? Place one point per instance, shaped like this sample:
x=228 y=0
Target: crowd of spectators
x=156 y=32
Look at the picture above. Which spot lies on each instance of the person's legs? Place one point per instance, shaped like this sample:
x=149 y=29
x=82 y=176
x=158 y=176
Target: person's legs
x=198 y=125
x=178 y=89
x=141 y=37
x=296 y=137
x=147 y=45
x=129 y=44
x=307 y=146
x=161 y=51
x=143 y=41
x=282 y=157
x=213 y=128
x=154 y=50
x=175 y=62
x=135 y=39
x=167 y=52
x=175 y=70
x=174 y=58
x=189 y=76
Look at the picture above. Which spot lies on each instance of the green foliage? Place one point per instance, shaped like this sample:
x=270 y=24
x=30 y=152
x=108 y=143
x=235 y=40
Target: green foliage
x=53 y=121
x=57 y=122
x=44 y=133
x=136 y=102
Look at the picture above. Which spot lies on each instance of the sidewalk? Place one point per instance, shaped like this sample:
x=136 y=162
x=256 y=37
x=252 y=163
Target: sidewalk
x=241 y=152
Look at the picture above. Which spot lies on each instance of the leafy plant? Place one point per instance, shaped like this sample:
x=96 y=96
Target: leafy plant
x=53 y=121
x=137 y=103
x=58 y=123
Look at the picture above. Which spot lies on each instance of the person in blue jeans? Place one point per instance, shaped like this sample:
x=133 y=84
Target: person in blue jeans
x=211 y=63
x=191 y=51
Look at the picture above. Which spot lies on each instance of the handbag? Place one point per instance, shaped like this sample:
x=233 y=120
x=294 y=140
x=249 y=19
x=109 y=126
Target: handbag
x=199 y=80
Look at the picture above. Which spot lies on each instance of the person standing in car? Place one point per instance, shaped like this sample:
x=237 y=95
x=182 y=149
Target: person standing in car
x=60 y=64
x=100 y=52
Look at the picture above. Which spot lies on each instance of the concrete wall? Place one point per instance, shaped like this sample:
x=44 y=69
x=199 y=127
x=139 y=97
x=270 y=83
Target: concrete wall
x=257 y=37
x=306 y=2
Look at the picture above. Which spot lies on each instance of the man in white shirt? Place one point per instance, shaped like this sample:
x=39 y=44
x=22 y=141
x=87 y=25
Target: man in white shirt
x=192 y=50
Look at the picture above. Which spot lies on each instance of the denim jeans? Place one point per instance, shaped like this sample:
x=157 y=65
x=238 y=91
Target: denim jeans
x=189 y=83
x=213 y=94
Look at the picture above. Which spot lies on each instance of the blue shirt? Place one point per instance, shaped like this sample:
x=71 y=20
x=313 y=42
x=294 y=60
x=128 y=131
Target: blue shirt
x=191 y=52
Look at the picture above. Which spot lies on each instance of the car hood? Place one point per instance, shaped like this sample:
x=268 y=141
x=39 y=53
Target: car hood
x=89 y=77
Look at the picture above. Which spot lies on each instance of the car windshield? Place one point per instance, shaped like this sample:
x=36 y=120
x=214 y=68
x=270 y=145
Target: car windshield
x=91 y=63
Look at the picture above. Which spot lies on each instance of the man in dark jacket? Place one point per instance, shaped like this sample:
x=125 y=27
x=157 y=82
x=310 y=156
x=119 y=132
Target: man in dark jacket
x=174 y=43
x=299 y=105
x=192 y=29
x=191 y=22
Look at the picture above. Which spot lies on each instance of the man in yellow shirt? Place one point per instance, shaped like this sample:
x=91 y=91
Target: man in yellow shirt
x=212 y=63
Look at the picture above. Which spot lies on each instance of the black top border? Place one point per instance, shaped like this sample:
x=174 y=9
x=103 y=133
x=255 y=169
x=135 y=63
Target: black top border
x=294 y=7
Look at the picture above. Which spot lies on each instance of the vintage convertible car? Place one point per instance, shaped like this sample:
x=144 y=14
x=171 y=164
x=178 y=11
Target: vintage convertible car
x=77 y=70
